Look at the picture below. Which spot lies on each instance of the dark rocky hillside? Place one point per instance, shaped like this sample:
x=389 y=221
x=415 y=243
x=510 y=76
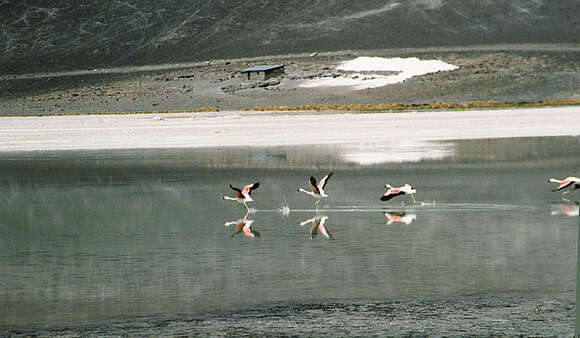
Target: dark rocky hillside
x=61 y=34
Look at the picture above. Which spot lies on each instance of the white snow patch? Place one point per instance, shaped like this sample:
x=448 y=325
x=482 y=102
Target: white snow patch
x=406 y=68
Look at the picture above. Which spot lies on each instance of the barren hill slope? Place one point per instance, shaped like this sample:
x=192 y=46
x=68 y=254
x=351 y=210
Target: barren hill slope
x=63 y=34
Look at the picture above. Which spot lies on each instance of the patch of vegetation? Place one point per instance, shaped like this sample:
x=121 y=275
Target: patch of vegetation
x=421 y=106
x=383 y=107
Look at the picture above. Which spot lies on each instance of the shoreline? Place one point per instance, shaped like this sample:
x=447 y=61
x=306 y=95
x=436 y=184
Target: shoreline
x=338 y=109
x=276 y=128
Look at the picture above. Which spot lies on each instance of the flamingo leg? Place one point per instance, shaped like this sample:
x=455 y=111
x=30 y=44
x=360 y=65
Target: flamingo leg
x=316 y=204
x=564 y=193
x=413 y=197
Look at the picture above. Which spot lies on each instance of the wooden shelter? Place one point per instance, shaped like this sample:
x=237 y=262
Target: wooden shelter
x=263 y=72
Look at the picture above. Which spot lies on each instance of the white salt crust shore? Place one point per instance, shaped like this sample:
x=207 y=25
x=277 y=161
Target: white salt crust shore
x=235 y=128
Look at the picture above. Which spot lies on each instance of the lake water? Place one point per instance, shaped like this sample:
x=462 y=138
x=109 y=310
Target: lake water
x=95 y=237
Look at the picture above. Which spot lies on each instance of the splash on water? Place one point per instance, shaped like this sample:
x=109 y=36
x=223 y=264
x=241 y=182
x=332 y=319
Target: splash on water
x=284 y=209
x=427 y=204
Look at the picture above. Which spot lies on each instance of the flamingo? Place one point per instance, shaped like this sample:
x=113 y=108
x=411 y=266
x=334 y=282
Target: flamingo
x=570 y=181
x=244 y=224
x=399 y=217
x=565 y=209
x=317 y=189
x=317 y=226
x=244 y=195
x=393 y=192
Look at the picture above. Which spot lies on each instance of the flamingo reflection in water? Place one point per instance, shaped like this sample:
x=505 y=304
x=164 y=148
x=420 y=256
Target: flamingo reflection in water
x=399 y=217
x=317 y=226
x=243 y=225
x=566 y=209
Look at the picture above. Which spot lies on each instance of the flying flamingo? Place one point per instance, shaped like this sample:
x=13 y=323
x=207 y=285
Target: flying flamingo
x=393 y=192
x=570 y=181
x=243 y=196
x=317 y=226
x=317 y=189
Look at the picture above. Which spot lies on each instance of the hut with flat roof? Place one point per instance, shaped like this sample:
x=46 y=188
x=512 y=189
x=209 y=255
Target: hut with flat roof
x=263 y=72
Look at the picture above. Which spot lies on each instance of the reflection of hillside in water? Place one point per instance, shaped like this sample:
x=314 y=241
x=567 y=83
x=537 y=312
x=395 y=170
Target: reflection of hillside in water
x=521 y=150
x=396 y=152
x=536 y=151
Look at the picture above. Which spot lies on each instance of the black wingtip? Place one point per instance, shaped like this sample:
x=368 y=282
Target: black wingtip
x=313 y=181
x=388 y=197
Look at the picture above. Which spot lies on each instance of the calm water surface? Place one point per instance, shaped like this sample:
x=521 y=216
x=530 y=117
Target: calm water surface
x=95 y=236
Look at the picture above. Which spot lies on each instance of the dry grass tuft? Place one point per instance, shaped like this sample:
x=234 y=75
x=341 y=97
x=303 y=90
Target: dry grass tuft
x=383 y=107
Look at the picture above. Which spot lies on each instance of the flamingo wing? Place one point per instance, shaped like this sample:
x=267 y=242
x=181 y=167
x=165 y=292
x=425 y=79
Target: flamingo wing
x=314 y=230
x=391 y=193
x=313 y=185
x=389 y=218
x=239 y=228
x=323 y=181
x=248 y=232
x=565 y=184
x=248 y=188
x=322 y=228
x=237 y=191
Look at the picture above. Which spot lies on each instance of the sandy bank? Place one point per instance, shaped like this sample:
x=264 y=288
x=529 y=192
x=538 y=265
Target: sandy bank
x=276 y=129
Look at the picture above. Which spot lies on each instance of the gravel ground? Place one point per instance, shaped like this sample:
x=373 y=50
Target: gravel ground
x=498 y=73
